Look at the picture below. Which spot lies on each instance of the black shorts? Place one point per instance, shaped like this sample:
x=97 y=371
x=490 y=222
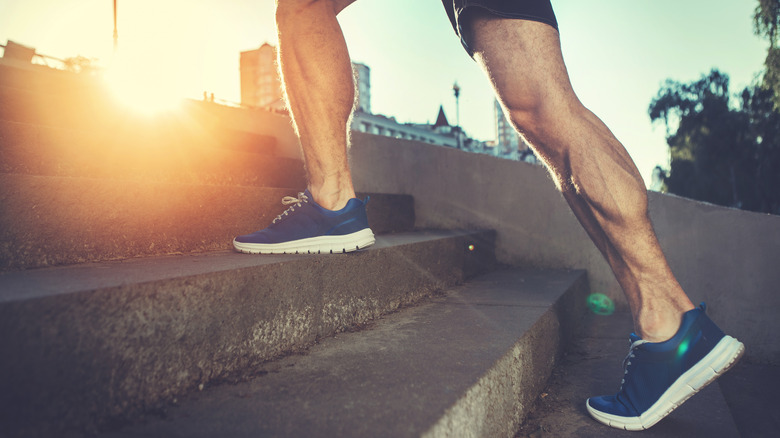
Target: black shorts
x=534 y=10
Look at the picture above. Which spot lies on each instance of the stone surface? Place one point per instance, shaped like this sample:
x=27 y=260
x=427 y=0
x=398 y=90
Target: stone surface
x=593 y=366
x=47 y=220
x=107 y=340
x=751 y=391
x=465 y=364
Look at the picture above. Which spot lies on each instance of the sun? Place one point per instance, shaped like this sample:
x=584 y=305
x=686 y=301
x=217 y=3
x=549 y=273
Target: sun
x=142 y=84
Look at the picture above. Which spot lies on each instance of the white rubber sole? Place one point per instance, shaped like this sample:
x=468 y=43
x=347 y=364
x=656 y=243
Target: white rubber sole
x=725 y=354
x=313 y=245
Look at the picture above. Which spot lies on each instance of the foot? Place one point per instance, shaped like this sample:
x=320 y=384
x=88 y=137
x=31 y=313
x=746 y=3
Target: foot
x=306 y=227
x=659 y=377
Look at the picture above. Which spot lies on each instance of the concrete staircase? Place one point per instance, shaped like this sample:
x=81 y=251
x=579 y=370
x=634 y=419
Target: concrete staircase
x=120 y=296
x=468 y=363
x=124 y=311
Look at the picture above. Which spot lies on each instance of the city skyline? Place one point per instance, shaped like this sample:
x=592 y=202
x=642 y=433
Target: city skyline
x=261 y=88
x=618 y=55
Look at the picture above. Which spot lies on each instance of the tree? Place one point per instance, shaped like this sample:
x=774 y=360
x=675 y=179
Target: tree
x=766 y=22
x=763 y=119
x=81 y=64
x=726 y=150
x=701 y=133
x=721 y=152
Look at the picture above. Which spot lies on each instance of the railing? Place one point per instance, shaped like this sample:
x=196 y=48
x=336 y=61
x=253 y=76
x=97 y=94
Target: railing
x=23 y=54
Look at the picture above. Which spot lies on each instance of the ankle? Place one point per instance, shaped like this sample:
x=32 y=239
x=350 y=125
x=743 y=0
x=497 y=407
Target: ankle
x=659 y=326
x=333 y=199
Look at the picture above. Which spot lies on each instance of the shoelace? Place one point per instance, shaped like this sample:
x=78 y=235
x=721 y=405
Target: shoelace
x=627 y=360
x=289 y=200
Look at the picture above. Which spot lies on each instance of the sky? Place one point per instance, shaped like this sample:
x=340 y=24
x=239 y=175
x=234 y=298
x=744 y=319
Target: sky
x=618 y=53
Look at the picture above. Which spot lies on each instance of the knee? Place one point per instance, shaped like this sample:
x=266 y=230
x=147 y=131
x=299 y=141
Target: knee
x=289 y=13
x=545 y=121
x=532 y=114
x=536 y=120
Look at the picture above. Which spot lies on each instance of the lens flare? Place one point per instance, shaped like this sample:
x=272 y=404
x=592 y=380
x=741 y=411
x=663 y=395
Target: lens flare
x=471 y=247
x=683 y=348
x=601 y=304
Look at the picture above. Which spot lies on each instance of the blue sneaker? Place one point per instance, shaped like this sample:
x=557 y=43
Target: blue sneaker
x=306 y=227
x=659 y=377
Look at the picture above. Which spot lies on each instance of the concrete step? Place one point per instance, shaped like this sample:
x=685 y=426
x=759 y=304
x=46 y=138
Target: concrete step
x=86 y=344
x=47 y=221
x=466 y=364
x=593 y=366
x=155 y=151
x=750 y=390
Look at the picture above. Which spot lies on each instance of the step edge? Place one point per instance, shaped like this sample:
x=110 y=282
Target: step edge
x=504 y=373
x=129 y=266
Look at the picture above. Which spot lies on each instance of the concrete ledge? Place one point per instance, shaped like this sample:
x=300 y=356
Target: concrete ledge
x=47 y=221
x=53 y=98
x=100 y=341
x=467 y=364
x=59 y=99
x=174 y=150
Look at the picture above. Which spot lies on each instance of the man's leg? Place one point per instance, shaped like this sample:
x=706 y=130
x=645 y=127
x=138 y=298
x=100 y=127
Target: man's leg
x=591 y=168
x=679 y=350
x=318 y=80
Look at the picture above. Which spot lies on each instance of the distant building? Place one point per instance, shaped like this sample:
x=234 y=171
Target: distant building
x=363 y=79
x=261 y=87
x=440 y=133
x=260 y=83
x=15 y=52
x=507 y=140
x=509 y=144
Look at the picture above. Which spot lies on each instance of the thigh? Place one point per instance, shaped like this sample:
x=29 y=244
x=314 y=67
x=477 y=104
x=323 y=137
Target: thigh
x=292 y=5
x=523 y=61
x=460 y=11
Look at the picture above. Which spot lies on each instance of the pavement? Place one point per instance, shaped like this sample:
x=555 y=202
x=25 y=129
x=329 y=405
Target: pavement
x=751 y=392
x=742 y=403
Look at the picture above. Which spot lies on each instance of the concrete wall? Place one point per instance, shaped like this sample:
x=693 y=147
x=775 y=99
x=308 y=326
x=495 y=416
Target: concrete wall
x=256 y=121
x=728 y=258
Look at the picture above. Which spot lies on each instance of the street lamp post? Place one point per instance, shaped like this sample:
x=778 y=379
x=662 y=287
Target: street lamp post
x=456 y=90
x=458 y=131
x=116 y=34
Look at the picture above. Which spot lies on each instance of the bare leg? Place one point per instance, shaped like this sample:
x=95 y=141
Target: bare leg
x=318 y=80
x=591 y=168
x=317 y=76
